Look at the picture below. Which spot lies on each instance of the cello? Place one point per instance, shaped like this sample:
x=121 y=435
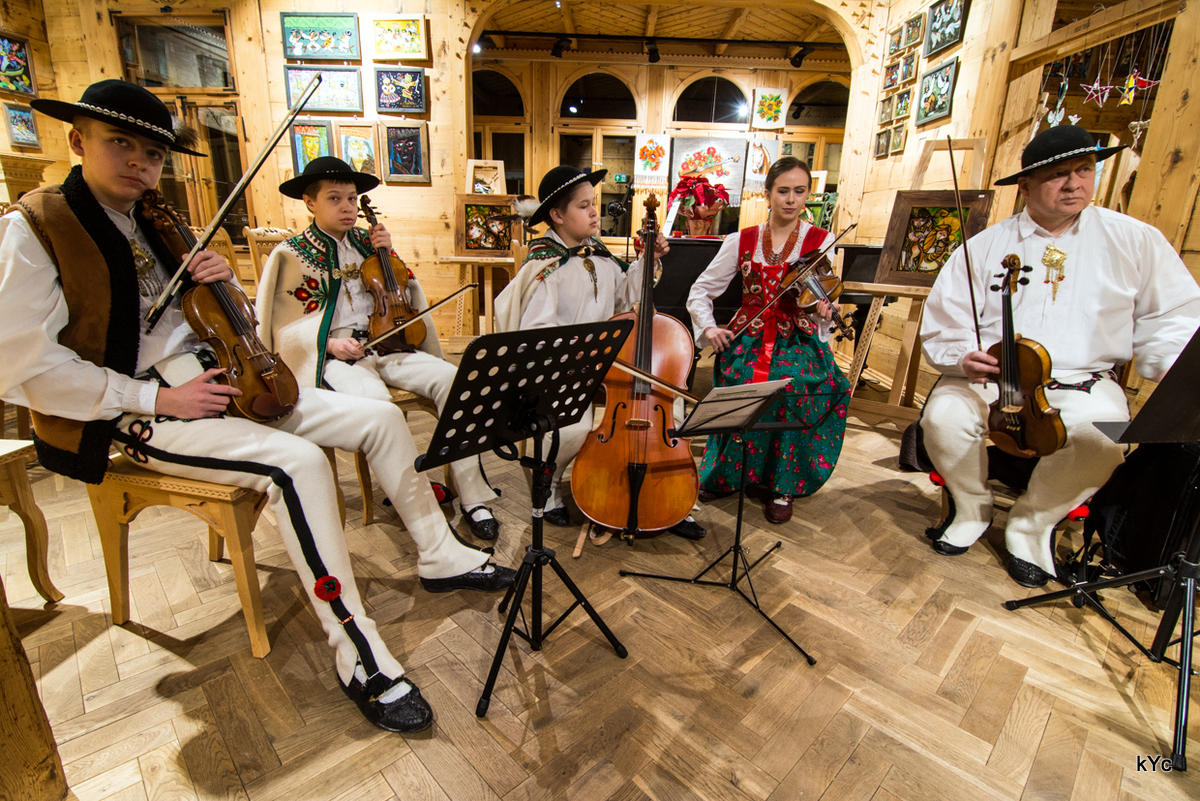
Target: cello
x=391 y=307
x=1021 y=422
x=630 y=474
x=223 y=317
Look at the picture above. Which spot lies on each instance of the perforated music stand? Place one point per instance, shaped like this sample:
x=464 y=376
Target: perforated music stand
x=516 y=386
x=1171 y=415
x=735 y=410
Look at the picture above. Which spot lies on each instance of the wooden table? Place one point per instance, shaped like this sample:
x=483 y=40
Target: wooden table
x=469 y=269
x=17 y=494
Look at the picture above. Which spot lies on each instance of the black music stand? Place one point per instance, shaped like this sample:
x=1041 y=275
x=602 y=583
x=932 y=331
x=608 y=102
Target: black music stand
x=1171 y=414
x=516 y=386
x=734 y=410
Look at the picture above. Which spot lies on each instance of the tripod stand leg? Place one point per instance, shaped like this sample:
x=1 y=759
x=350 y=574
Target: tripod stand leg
x=485 y=698
x=587 y=607
x=1179 y=745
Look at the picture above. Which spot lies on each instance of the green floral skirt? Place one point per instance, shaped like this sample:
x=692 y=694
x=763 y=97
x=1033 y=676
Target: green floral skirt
x=795 y=462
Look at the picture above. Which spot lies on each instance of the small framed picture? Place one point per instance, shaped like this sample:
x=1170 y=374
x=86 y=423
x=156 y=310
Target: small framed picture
x=320 y=37
x=400 y=90
x=311 y=139
x=902 y=105
x=483 y=225
x=899 y=138
x=485 y=177
x=936 y=91
x=16 y=71
x=404 y=148
x=882 y=140
x=947 y=18
x=400 y=38
x=340 y=88
x=356 y=147
x=914 y=30
x=885 y=110
x=893 y=42
x=22 y=126
x=891 y=75
x=908 y=67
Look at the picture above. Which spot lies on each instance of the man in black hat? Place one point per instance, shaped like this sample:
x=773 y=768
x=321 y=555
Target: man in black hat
x=1103 y=288
x=320 y=332
x=79 y=268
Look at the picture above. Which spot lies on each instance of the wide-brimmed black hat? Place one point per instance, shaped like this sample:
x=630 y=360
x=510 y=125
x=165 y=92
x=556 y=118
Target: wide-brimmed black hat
x=327 y=168
x=555 y=184
x=127 y=106
x=1057 y=144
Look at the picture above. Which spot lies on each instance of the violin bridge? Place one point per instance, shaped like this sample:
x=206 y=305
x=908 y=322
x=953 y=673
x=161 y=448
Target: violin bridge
x=1012 y=409
x=637 y=424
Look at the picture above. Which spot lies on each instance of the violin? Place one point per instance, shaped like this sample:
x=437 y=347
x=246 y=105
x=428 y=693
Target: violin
x=813 y=280
x=630 y=474
x=391 y=306
x=1021 y=422
x=223 y=317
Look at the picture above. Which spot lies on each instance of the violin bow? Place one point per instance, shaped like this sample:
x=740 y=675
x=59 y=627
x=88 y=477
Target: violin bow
x=172 y=288
x=962 y=222
x=418 y=315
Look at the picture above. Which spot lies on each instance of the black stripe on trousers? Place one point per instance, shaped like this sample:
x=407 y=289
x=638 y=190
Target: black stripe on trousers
x=304 y=534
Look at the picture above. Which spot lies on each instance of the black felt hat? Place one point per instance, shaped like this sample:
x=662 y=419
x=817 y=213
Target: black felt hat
x=559 y=181
x=327 y=168
x=1060 y=143
x=127 y=106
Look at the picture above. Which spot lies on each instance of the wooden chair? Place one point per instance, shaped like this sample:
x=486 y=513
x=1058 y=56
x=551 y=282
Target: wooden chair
x=17 y=494
x=262 y=241
x=229 y=511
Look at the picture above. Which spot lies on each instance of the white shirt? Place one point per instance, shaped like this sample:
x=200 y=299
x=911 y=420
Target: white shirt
x=354 y=302
x=567 y=296
x=720 y=272
x=1124 y=291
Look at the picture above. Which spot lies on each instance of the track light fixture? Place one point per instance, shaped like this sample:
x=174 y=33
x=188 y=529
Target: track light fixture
x=652 y=53
x=560 y=47
x=798 y=57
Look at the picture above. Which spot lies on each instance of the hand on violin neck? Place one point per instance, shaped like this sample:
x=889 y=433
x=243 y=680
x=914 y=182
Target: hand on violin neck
x=719 y=338
x=208 y=267
x=195 y=399
x=980 y=367
x=345 y=348
x=662 y=246
x=826 y=308
x=380 y=238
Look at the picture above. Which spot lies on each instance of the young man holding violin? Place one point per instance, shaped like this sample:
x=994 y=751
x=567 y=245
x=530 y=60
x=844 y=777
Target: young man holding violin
x=315 y=305
x=1103 y=289
x=80 y=266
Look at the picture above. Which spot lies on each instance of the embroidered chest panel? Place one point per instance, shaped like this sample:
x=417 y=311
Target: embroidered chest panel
x=760 y=283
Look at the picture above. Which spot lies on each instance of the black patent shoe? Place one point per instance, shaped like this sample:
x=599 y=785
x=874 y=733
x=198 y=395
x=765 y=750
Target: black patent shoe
x=485 y=529
x=408 y=714
x=688 y=529
x=498 y=578
x=947 y=549
x=1027 y=574
x=558 y=516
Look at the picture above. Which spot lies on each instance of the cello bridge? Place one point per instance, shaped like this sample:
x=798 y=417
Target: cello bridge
x=637 y=424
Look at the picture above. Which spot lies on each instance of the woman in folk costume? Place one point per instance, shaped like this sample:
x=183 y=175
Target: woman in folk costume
x=785 y=342
x=569 y=277
x=314 y=308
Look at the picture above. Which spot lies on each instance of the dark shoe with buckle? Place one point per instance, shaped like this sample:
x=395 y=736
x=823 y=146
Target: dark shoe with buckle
x=408 y=714
x=485 y=529
x=688 y=529
x=946 y=549
x=558 y=516
x=1027 y=574
x=710 y=495
x=482 y=579
x=778 y=509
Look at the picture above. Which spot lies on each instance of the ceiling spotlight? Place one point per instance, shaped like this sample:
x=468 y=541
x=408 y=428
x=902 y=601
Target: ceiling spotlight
x=476 y=48
x=652 y=51
x=574 y=109
x=798 y=57
x=560 y=47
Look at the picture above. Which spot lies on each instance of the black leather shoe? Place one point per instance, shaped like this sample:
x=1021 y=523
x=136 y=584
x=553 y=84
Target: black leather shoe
x=688 y=529
x=485 y=529
x=408 y=714
x=946 y=549
x=1027 y=574
x=498 y=579
x=558 y=516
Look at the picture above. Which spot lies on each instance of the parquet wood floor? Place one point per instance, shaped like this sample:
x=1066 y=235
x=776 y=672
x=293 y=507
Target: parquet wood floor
x=925 y=687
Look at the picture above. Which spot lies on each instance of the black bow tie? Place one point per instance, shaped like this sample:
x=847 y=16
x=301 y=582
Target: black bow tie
x=588 y=249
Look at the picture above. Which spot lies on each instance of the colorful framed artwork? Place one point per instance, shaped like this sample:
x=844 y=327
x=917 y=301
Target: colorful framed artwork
x=908 y=67
x=400 y=90
x=893 y=42
x=310 y=139
x=486 y=177
x=899 y=139
x=320 y=37
x=947 y=18
x=340 y=88
x=924 y=230
x=400 y=38
x=22 y=126
x=16 y=66
x=902 y=105
x=885 y=110
x=914 y=30
x=882 y=140
x=891 y=75
x=356 y=147
x=404 y=148
x=483 y=225
x=769 y=108
x=936 y=91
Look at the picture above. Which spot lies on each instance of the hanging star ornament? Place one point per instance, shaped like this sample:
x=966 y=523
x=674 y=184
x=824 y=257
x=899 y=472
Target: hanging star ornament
x=1074 y=119
x=1096 y=92
x=1133 y=83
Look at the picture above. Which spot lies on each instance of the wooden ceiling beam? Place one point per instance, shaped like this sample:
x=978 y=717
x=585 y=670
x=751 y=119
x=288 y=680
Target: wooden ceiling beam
x=736 y=20
x=651 y=20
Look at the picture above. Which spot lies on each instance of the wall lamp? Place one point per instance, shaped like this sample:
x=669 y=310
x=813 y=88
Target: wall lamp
x=798 y=58
x=652 y=51
x=560 y=47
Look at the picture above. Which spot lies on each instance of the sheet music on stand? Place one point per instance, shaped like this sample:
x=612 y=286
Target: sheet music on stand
x=732 y=408
x=1172 y=412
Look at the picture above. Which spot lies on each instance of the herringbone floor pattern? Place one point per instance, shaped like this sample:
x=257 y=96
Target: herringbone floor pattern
x=925 y=687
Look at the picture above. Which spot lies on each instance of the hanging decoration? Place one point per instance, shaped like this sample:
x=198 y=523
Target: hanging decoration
x=768 y=109
x=759 y=158
x=651 y=168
